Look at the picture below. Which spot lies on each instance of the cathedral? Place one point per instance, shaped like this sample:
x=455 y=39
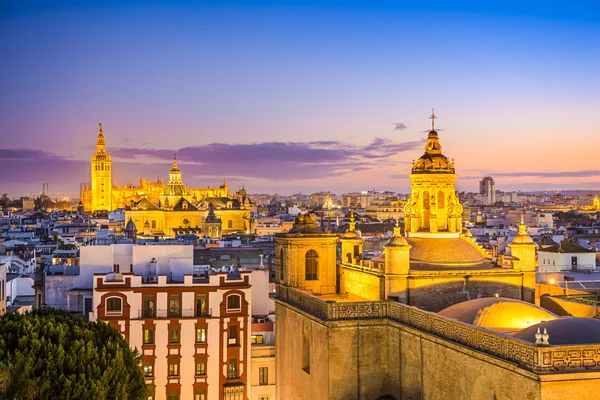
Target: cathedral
x=432 y=317
x=165 y=210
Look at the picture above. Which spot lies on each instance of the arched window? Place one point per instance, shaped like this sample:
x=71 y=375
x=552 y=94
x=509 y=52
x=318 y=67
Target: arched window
x=234 y=302
x=282 y=265
x=311 y=266
x=426 y=200
x=440 y=202
x=114 y=305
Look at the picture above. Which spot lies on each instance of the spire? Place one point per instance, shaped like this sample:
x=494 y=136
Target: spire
x=352 y=227
x=433 y=118
x=100 y=142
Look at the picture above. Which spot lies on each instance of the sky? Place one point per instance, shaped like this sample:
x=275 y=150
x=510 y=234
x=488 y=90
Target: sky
x=299 y=96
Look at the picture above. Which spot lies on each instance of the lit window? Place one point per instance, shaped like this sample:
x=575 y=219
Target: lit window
x=201 y=367
x=233 y=368
x=174 y=336
x=174 y=305
x=173 y=368
x=148 y=370
x=201 y=305
x=311 y=265
x=201 y=395
x=234 y=302
x=201 y=335
x=113 y=305
x=148 y=336
x=257 y=339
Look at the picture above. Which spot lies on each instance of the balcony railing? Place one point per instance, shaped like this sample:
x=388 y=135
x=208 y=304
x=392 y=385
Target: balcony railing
x=164 y=313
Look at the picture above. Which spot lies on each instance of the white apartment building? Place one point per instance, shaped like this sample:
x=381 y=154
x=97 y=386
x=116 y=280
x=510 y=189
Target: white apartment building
x=192 y=326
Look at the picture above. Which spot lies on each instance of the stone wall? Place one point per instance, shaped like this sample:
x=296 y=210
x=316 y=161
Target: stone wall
x=365 y=350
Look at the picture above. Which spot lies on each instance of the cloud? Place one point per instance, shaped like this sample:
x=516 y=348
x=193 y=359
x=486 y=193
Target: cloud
x=30 y=168
x=275 y=161
x=399 y=126
x=541 y=174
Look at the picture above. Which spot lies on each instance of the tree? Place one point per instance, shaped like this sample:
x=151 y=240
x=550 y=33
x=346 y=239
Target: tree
x=48 y=354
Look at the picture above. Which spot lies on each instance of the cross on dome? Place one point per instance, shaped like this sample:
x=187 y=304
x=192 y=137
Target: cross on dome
x=433 y=118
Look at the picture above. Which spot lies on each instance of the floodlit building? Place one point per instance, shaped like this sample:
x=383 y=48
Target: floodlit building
x=433 y=317
x=164 y=210
x=193 y=327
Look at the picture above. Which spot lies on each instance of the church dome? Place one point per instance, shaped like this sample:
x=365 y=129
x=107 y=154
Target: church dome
x=433 y=161
x=499 y=314
x=444 y=252
x=565 y=331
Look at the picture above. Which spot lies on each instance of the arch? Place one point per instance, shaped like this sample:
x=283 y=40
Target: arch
x=234 y=302
x=441 y=200
x=311 y=266
x=282 y=265
x=114 y=305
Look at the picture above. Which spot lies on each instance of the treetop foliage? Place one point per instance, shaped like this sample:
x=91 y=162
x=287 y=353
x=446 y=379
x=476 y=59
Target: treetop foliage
x=48 y=354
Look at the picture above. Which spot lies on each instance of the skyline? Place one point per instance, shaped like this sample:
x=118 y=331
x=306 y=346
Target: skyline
x=316 y=87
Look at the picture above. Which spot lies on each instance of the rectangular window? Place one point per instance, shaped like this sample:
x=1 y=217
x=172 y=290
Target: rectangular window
x=201 y=367
x=173 y=395
x=263 y=397
x=230 y=224
x=149 y=307
x=201 y=305
x=148 y=370
x=257 y=339
x=174 y=336
x=173 y=368
x=148 y=336
x=201 y=395
x=263 y=376
x=233 y=367
x=233 y=334
x=174 y=305
x=201 y=335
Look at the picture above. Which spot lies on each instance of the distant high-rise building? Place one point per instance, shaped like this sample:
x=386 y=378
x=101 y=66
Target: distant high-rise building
x=487 y=190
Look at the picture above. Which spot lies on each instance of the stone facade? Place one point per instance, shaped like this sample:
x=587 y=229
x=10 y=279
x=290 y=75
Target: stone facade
x=367 y=350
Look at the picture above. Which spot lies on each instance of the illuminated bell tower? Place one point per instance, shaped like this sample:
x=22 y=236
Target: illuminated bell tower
x=433 y=207
x=101 y=175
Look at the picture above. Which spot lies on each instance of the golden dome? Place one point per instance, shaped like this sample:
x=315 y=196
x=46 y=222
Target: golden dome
x=499 y=314
x=522 y=237
x=433 y=161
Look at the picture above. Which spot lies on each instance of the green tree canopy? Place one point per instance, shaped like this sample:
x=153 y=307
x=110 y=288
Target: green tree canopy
x=48 y=354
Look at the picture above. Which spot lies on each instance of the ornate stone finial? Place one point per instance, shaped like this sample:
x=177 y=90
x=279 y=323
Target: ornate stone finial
x=397 y=229
x=352 y=226
x=100 y=125
x=538 y=337
x=433 y=118
x=545 y=337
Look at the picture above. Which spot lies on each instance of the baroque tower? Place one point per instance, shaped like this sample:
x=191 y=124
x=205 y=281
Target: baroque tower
x=101 y=175
x=433 y=206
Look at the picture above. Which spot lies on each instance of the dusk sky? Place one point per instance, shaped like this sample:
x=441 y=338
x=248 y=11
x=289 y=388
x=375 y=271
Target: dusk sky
x=288 y=96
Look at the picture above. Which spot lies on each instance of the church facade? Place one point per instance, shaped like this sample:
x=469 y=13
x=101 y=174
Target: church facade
x=165 y=210
x=376 y=329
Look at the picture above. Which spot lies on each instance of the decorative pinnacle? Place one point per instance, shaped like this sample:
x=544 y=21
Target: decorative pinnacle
x=433 y=118
x=352 y=223
x=100 y=125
